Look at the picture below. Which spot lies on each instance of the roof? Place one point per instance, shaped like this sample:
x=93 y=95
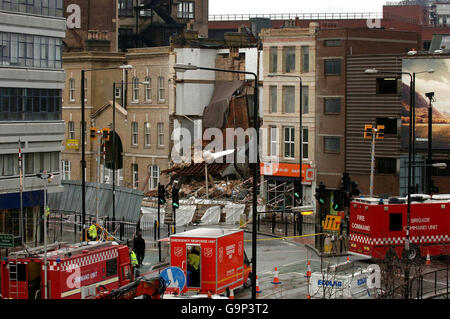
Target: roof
x=198 y=169
x=207 y=232
x=128 y=201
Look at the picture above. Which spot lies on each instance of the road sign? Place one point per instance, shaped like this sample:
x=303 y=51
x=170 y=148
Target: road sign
x=174 y=278
x=6 y=241
x=332 y=222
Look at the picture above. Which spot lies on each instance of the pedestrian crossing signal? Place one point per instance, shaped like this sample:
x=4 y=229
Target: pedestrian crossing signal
x=175 y=198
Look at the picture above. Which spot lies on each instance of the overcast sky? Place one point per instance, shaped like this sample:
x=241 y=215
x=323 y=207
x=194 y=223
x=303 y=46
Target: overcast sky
x=293 y=6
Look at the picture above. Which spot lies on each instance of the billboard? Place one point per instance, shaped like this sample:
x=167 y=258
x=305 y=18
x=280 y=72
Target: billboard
x=437 y=82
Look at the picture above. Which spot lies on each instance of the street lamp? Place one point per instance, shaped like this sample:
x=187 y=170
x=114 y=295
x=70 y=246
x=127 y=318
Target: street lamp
x=48 y=176
x=430 y=96
x=410 y=153
x=83 y=139
x=301 y=128
x=190 y=67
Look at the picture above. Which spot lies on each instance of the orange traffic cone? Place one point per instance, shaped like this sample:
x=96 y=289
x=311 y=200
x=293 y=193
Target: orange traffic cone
x=258 y=291
x=308 y=271
x=276 y=281
x=231 y=294
x=428 y=262
x=348 y=259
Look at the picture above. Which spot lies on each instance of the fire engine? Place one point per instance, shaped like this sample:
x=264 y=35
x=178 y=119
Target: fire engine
x=377 y=226
x=75 y=271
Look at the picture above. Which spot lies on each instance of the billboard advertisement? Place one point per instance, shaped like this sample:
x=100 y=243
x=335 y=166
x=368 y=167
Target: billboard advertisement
x=437 y=82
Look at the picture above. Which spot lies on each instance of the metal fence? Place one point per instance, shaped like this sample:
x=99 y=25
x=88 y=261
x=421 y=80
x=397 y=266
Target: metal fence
x=431 y=284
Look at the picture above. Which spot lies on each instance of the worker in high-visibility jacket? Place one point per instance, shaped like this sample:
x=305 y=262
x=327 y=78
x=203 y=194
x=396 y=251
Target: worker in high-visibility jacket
x=193 y=270
x=92 y=232
x=134 y=261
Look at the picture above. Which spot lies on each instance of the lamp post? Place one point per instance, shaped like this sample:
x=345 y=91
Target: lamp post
x=187 y=67
x=410 y=145
x=48 y=176
x=430 y=96
x=301 y=128
x=83 y=140
x=114 y=141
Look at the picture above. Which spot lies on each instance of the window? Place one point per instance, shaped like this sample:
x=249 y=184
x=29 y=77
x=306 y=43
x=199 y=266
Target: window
x=289 y=142
x=305 y=59
x=305 y=140
x=305 y=97
x=395 y=222
x=66 y=169
x=147 y=134
x=332 y=144
x=333 y=43
x=288 y=99
x=148 y=89
x=161 y=91
x=273 y=141
x=71 y=89
x=386 y=165
x=160 y=134
x=273 y=60
x=126 y=8
x=111 y=267
x=333 y=67
x=41 y=7
x=134 y=133
x=29 y=163
x=134 y=169
x=17 y=104
x=71 y=130
x=30 y=50
x=390 y=124
x=135 y=89
x=289 y=59
x=387 y=86
x=332 y=105
x=185 y=10
x=154 y=173
x=273 y=99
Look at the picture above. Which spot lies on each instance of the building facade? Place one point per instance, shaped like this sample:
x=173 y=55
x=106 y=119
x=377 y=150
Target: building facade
x=289 y=55
x=31 y=125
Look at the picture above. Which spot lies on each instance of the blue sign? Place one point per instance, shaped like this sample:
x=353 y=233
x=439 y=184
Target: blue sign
x=174 y=277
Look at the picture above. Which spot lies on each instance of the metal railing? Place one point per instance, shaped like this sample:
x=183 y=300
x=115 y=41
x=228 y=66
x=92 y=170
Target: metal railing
x=300 y=16
x=431 y=284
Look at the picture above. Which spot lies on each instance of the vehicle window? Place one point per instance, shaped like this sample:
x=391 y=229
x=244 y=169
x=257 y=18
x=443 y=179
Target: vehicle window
x=395 y=222
x=126 y=273
x=111 y=267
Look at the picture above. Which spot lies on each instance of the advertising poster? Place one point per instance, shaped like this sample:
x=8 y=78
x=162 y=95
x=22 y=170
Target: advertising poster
x=437 y=82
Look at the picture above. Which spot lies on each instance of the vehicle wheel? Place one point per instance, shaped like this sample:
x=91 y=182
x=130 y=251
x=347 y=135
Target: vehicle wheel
x=248 y=283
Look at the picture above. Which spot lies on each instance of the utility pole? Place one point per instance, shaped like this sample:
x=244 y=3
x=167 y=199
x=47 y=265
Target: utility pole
x=373 y=133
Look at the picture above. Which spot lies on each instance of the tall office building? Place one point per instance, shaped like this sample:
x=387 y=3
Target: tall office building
x=31 y=126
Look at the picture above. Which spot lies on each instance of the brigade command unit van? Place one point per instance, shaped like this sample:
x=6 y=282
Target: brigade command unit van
x=212 y=259
x=378 y=226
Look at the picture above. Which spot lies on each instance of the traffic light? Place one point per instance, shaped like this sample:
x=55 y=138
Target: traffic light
x=161 y=194
x=380 y=132
x=345 y=181
x=354 y=190
x=298 y=189
x=175 y=199
x=93 y=133
x=337 y=201
x=320 y=194
x=368 y=131
x=106 y=133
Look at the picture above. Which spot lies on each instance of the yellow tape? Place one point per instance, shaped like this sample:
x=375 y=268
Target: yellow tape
x=288 y=237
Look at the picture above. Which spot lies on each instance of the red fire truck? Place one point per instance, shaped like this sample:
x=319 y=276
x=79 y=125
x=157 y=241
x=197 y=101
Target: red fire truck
x=378 y=226
x=222 y=266
x=75 y=271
